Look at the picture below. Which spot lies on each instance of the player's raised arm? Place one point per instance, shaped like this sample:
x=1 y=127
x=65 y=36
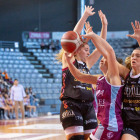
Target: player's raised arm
x=92 y=59
x=88 y=12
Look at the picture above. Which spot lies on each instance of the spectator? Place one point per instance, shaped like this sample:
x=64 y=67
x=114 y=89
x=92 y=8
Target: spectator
x=42 y=45
x=52 y=46
x=30 y=107
x=6 y=76
x=58 y=46
x=3 y=76
x=18 y=94
x=5 y=90
x=30 y=90
x=2 y=86
x=9 y=92
x=3 y=106
x=33 y=99
x=3 y=93
x=11 y=81
x=26 y=90
x=10 y=105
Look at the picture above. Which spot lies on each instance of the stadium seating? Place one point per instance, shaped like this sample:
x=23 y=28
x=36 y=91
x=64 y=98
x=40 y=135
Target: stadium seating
x=48 y=89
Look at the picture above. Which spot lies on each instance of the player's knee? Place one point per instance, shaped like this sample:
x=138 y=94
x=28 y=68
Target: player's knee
x=77 y=137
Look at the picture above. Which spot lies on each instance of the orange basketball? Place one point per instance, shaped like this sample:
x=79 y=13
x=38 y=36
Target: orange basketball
x=71 y=41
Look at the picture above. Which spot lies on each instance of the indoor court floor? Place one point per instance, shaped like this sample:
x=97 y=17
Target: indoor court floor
x=39 y=128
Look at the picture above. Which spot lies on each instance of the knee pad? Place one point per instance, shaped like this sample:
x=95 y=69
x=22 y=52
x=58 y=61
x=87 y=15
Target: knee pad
x=77 y=137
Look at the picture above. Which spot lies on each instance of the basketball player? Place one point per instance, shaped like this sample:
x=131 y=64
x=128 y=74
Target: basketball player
x=131 y=98
x=77 y=113
x=108 y=91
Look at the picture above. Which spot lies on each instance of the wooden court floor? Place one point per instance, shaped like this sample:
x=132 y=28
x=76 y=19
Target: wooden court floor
x=39 y=128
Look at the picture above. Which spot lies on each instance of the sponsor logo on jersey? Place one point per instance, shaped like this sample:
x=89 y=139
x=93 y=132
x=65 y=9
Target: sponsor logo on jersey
x=99 y=92
x=90 y=121
x=128 y=108
x=78 y=86
x=131 y=101
x=78 y=118
x=67 y=114
x=101 y=103
x=110 y=135
x=132 y=91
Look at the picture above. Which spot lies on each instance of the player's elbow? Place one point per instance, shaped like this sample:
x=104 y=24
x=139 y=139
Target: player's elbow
x=111 y=53
x=110 y=50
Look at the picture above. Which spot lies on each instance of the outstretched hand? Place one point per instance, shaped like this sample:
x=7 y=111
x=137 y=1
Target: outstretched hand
x=88 y=28
x=136 y=29
x=89 y=35
x=103 y=18
x=89 y=10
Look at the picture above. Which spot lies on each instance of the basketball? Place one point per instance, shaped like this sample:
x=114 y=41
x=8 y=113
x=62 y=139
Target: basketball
x=71 y=41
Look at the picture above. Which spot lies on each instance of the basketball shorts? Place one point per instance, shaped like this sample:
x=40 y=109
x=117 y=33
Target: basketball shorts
x=78 y=113
x=132 y=129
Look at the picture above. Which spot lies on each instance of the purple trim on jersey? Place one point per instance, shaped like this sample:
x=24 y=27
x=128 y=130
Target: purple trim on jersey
x=67 y=67
x=109 y=104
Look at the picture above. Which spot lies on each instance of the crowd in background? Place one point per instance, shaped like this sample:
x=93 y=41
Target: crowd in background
x=7 y=110
x=52 y=46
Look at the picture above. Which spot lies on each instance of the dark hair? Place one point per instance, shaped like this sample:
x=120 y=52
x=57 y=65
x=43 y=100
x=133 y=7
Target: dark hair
x=119 y=60
x=16 y=80
x=137 y=48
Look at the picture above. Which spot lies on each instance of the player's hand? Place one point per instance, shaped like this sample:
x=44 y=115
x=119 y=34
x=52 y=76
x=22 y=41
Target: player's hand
x=88 y=28
x=89 y=10
x=136 y=29
x=88 y=35
x=103 y=18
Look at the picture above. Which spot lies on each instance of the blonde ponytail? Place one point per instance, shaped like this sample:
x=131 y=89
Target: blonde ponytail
x=127 y=62
x=59 y=55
